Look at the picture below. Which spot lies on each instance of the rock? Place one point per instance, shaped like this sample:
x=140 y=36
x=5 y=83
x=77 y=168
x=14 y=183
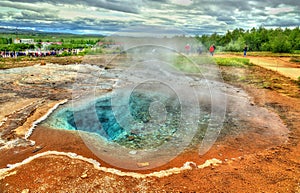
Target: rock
x=130 y=137
x=133 y=152
x=32 y=143
x=36 y=149
x=142 y=164
x=25 y=191
x=84 y=175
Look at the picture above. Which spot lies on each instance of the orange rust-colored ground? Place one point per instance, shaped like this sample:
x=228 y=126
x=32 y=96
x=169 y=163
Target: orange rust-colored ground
x=253 y=169
x=247 y=166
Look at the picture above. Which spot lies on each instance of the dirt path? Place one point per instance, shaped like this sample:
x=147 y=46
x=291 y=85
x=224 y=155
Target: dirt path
x=281 y=65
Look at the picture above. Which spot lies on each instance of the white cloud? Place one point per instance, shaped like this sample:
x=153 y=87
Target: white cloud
x=182 y=2
x=277 y=10
x=202 y=16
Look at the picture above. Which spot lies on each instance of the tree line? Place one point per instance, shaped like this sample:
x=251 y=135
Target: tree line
x=277 y=40
x=257 y=39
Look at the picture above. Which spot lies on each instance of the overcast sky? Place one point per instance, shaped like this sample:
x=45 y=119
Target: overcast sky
x=109 y=16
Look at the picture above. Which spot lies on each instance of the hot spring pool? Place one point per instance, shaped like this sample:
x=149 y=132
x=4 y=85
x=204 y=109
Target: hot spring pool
x=154 y=119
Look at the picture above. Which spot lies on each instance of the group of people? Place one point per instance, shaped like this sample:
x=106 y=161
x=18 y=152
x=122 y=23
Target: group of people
x=14 y=54
x=212 y=49
x=188 y=49
x=199 y=49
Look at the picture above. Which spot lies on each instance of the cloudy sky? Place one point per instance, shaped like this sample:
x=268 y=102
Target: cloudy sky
x=110 y=16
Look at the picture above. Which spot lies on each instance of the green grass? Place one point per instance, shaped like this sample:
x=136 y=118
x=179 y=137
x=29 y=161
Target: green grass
x=193 y=64
x=199 y=60
x=52 y=37
x=94 y=52
x=184 y=64
x=264 y=54
x=295 y=59
x=296 y=52
x=236 y=62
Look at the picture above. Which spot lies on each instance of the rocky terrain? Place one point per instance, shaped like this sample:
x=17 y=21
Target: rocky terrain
x=257 y=150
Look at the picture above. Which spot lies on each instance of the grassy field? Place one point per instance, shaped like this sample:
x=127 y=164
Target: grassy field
x=193 y=64
x=263 y=54
x=236 y=62
x=184 y=64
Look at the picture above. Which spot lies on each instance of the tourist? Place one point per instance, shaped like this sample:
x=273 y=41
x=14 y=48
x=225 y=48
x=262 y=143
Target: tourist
x=199 y=50
x=245 y=50
x=187 y=48
x=212 y=49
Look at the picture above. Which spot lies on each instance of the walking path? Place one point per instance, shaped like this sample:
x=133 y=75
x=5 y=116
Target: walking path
x=281 y=65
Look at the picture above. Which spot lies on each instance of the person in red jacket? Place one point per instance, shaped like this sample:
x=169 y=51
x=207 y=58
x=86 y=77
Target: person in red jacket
x=187 y=48
x=212 y=49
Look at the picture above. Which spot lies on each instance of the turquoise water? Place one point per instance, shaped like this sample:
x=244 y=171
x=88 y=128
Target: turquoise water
x=149 y=128
x=84 y=119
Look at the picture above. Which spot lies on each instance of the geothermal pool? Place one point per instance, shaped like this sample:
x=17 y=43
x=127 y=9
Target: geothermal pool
x=153 y=119
x=148 y=125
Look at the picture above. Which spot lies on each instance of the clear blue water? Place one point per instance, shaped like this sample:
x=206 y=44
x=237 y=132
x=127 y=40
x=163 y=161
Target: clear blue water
x=99 y=118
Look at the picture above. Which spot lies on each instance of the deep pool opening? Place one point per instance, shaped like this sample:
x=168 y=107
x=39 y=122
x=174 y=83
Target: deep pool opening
x=157 y=117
